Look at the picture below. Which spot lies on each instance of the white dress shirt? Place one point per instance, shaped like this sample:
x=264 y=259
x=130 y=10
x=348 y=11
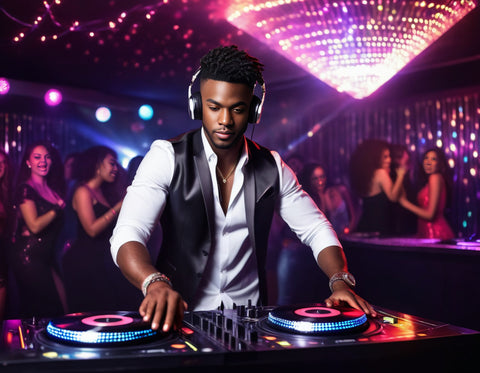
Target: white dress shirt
x=231 y=274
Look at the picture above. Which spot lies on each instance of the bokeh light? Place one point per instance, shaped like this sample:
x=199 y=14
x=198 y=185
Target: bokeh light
x=53 y=97
x=103 y=114
x=4 y=86
x=145 y=112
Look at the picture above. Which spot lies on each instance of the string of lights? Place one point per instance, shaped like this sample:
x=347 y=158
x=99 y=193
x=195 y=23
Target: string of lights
x=47 y=14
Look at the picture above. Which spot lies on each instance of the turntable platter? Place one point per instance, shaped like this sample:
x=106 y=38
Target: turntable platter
x=317 y=319
x=99 y=329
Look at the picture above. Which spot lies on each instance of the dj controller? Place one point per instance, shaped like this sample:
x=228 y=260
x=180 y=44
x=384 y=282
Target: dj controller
x=300 y=337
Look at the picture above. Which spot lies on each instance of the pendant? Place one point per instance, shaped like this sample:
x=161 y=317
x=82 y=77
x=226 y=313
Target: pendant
x=224 y=180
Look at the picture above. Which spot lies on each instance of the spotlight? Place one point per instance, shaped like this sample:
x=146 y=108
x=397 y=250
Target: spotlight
x=145 y=112
x=53 y=97
x=103 y=114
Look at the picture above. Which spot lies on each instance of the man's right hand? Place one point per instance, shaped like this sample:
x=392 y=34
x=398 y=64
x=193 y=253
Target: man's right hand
x=164 y=305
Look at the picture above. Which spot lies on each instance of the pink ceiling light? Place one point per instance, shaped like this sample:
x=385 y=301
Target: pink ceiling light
x=354 y=46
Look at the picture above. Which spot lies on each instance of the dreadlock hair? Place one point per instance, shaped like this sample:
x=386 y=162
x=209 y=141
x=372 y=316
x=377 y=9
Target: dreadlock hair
x=229 y=64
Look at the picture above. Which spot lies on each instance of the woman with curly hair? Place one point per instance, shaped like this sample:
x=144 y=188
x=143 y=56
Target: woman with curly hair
x=432 y=198
x=370 y=180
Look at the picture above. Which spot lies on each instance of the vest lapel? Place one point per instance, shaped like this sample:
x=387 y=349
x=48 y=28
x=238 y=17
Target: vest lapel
x=201 y=164
x=250 y=202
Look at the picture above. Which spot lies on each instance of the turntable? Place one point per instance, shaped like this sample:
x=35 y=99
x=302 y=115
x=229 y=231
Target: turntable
x=302 y=336
x=100 y=329
x=317 y=319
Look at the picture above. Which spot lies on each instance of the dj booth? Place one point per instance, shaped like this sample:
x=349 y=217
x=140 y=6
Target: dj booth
x=299 y=337
x=430 y=278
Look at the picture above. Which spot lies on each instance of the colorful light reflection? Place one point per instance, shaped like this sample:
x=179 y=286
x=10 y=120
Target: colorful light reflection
x=354 y=46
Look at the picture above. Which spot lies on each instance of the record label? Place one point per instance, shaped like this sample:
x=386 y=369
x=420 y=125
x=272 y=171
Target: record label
x=107 y=320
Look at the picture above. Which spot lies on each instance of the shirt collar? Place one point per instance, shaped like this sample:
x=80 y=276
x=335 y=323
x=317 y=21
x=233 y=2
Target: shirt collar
x=210 y=154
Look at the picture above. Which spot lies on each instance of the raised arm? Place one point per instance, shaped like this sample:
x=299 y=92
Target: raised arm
x=83 y=204
x=393 y=190
x=435 y=187
x=36 y=223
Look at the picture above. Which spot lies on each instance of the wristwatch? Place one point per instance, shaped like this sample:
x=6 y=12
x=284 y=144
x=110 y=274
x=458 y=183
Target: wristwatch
x=346 y=277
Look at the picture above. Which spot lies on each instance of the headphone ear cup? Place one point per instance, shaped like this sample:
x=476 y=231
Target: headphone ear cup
x=195 y=106
x=255 y=110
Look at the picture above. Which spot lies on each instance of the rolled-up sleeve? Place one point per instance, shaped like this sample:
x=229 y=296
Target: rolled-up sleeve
x=145 y=198
x=301 y=214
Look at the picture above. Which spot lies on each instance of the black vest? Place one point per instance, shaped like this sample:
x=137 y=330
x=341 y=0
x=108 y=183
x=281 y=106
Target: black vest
x=188 y=219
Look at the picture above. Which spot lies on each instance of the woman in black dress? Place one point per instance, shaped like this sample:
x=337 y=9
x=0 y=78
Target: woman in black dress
x=370 y=179
x=38 y=219
x=93 y=282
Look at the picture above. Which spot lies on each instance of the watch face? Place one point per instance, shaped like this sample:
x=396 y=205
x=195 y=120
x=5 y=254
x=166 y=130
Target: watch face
x=350 y=279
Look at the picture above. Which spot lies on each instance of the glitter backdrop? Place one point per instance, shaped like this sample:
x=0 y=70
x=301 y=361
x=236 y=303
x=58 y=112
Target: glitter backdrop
x=450 y=121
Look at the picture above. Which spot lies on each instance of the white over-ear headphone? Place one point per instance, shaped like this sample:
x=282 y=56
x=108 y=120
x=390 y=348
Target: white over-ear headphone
x=195 y=103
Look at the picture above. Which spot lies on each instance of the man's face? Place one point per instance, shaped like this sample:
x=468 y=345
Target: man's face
x=225 y=108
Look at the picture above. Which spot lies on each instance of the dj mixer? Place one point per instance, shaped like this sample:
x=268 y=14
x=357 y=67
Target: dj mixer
x=299 y=337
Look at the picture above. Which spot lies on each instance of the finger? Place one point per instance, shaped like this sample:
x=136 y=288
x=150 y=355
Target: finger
x=353 y=302
x=158 y=314
x=368 y=309
x=171 y=312
x=143 y=310
x=332 y=302
x=180 y=313
x=328 y=302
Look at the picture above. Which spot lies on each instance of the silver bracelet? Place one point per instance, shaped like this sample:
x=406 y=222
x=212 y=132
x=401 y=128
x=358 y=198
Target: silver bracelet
x=346 y=277
x=154 y=277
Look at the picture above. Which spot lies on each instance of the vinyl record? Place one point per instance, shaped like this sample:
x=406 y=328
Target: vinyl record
x=108 y=328
x=317 y=319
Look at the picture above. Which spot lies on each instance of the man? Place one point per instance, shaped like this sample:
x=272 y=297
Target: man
x=215 y=192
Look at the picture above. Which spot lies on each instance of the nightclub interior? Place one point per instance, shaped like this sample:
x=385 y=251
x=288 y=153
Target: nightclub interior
x=337 y=73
